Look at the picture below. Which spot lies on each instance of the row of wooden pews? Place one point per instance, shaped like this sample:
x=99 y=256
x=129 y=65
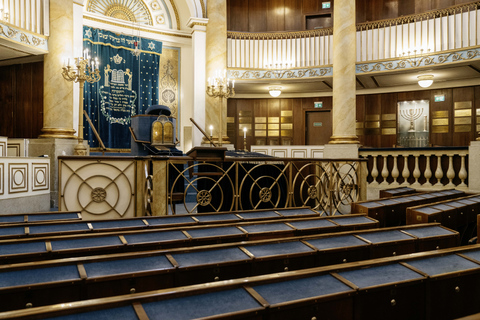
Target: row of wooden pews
x=392 y=211
x=50 y=228
x=35 y=217
x=187 y=263
x=71 y=279
x=441 y=284
x=15 y=250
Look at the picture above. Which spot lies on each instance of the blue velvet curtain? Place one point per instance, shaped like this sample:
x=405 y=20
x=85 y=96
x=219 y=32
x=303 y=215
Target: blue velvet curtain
x=128 y=84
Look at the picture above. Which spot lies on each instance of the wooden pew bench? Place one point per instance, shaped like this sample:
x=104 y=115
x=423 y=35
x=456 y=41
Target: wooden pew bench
x=64 y=280
x=458 y=214
x=54 y=247
x=391 y=211
x=35 y=217
x=436 y=285
x=393 y=192
x=17 y=250
x=67 y=227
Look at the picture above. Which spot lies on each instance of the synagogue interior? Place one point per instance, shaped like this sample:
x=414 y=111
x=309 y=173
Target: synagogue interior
x=239 y=159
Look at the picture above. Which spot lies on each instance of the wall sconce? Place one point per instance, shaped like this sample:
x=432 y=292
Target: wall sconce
x=425 y=81
x=275 y=91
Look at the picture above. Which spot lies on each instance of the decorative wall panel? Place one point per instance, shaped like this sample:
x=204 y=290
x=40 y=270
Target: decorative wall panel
x=17 y=177
x=99 y=188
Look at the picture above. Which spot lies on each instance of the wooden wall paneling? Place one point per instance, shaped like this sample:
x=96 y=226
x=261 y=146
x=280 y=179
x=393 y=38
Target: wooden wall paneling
x=442 y=4
x=310 y=6
x=298 y=122
x=389 y=9
x=257 y=16
x=273 y=122
x=293 y=9
x=466 y=94
x=286 y=121
x=372 y=120
x=7 y=87
x=360 y=118
x=275 y=15
x=406 y=7
x=374 y=10
x=477 y=114
x=233 y=113
x=423 y=6
x=238 y=15
x=261 y=113
x=388 y=120
x=23 y=108
x=360 y=11
x=437 y=112
x=37 y=102
x=245 y=110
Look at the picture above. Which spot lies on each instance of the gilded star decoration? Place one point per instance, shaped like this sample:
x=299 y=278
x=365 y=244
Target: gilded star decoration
x=88 y=33
x=151 y=46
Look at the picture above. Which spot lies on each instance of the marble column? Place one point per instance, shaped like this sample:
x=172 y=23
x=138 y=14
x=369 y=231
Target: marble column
x=58 y=93
x=199 y=28
x=344 y=83
x=216 y=58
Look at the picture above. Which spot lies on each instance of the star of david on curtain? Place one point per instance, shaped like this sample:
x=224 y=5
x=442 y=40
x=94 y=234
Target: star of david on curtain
x=129 y=84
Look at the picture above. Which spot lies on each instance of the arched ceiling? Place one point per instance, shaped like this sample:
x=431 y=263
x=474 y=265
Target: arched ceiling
x=164 y=14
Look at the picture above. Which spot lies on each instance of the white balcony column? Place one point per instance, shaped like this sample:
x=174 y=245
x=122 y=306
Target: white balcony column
x=199 y=29
x=428 y=171
x=405 y=171
x=216 y=59
x=439 y=172
x=344 y=81
x=58 y=93
x=473 y=161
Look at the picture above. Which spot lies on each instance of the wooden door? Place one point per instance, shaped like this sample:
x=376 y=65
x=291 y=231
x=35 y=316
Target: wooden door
x=318 y=127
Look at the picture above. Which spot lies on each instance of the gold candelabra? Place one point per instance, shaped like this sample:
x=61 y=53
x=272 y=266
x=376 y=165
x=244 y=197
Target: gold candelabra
x=221 y=87
x=83 y=70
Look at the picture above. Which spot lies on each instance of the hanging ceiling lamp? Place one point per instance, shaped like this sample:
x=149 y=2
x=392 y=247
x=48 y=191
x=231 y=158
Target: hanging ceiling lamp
x=275 y=91
x=425 y=81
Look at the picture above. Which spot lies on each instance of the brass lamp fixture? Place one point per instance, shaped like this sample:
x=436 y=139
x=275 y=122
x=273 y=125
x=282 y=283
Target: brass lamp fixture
x=425 y=81
x=221 y=87
x=84 y=69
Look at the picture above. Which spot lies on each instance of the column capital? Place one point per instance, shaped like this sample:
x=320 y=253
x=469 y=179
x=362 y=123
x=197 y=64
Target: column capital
x=197 y=24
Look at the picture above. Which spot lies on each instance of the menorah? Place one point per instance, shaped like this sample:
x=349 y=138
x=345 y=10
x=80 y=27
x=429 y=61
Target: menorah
x=223 y=88
x=84 y=71
x=411 y=115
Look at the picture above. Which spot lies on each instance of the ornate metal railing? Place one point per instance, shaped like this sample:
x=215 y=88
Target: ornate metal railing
x=252 y=183
x=414 y=39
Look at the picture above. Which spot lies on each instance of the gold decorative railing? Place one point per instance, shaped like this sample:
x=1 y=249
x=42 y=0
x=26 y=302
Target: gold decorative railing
x=413 y=38
x=258 y=183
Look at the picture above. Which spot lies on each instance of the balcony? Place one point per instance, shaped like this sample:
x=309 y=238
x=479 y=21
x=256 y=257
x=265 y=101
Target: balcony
x=23 y=28
x=390 y=53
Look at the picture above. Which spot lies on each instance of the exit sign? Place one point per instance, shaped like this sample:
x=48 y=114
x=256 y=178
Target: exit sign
x=439 y=98
x=318 y=104
x=326 y=5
